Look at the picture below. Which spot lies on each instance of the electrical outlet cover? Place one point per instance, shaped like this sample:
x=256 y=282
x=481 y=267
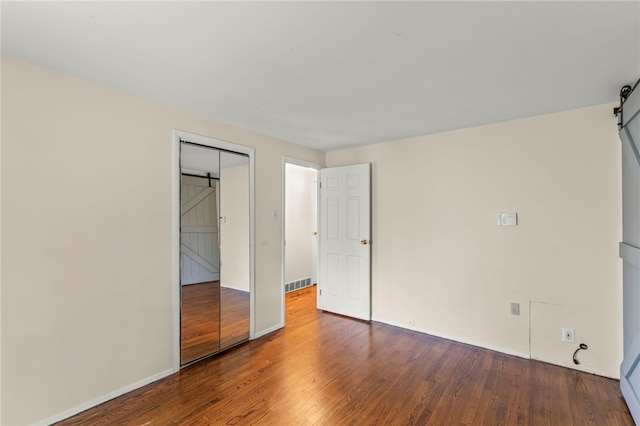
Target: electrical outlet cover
x=568 y=335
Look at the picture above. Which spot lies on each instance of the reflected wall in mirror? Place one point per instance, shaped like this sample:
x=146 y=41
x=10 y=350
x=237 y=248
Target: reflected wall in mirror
x=234 y=272
x=214 y=251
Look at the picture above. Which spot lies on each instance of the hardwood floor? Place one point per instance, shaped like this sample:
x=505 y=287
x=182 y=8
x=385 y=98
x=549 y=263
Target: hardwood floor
x=234 y=316
x=199 y=320
x=325 y=369
x=212 y=317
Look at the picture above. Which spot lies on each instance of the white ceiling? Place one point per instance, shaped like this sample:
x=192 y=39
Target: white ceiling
x=336 y=74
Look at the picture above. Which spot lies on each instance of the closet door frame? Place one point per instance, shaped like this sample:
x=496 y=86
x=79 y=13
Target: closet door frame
x=179 y=135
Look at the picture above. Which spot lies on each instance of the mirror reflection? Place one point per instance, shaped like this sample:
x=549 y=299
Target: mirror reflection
x=214 y=219
x=234 y=221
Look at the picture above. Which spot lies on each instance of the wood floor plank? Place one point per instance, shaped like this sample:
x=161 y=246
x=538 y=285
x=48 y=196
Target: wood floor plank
x=212 y=317
x=324 y=369
x=199 y=320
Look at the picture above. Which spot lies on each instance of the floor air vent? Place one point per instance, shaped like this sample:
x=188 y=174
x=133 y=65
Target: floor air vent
x=297 y=285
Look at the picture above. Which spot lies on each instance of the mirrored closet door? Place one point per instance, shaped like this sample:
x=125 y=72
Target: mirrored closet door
x=214 y=250
x=234 y=243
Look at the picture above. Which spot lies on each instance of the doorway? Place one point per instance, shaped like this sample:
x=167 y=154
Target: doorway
x=300 y=257
x=213 y=253
x=341 y=239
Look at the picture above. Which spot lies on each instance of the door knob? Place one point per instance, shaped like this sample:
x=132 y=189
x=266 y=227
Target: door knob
x=315 y=233
x=364 y=242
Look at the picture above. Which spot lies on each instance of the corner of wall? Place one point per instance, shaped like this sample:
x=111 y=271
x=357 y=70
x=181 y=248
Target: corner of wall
x=589 y=327
x=445 y=266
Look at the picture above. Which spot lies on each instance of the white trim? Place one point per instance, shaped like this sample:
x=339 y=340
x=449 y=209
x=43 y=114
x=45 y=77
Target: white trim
x=458 y=339
x=288 y=160
x=303 y=163
x=629 y=254
x=629 y=394
x=104 y=398
x=603 y=373
x=175 y=246
x=229 y=146
x=252 y=246
x=269 y=330
x=214 y=143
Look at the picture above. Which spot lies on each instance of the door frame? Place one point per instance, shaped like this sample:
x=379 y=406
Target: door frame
x=175 y=227
x=291 y=160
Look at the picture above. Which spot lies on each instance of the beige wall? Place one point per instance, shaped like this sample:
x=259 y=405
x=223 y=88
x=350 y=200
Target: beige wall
x=234 y=228
x=86 y=254
x=87 y=237
x=298 y=221
x=439 y=259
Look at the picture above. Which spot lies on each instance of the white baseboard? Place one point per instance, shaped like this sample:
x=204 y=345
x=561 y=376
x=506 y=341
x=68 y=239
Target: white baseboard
x=459 y=340
x=580 y=367
x=213 y=276
x=104 y=398
x=233 y=287
x=268 y=330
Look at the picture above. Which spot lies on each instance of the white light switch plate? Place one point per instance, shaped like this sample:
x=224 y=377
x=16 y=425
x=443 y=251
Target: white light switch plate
x=508 y=219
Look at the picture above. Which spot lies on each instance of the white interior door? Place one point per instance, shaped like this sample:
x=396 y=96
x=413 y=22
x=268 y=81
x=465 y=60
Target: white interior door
x=314 y=226
x=199 y=251
x=344 y=282
x=630 y=252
